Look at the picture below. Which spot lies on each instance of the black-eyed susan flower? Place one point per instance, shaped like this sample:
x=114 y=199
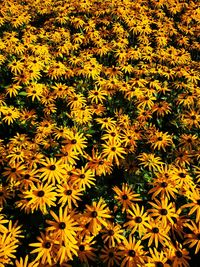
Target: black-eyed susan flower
x=40 y=196
x=160 y=140
x=157 y=259
x=69 y=194
x=111 y=256
x=64 y=227
x=76 y=142
x=26 y=262
x=112 y=234
x=98 y=164
x=163 y=185
x=113 y=151
x=157 y=234
x=83 y=177
x=97 y=215
x=163 y=211
x=126 y=196
x=53 y=171
x=86 y=252
x=194 y=206
x=138 y=219
x=132 y=252
x=150 y=161
x=43 y=249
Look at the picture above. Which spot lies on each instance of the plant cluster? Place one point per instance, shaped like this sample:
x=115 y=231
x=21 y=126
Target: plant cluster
x=99 y=133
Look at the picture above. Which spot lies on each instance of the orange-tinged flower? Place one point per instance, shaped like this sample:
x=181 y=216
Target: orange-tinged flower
x=193 y=239
x=83 y=177
x=132 y=252
x=111 y=256
x=157 y=234
x=69 y=194
x=97 y=215
x=150 y=161
x=126 y=196
x=25 y=262
x=112 y=234
x=163 y=211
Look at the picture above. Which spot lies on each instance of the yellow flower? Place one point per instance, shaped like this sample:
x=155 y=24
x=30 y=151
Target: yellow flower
x=64 y=228
x=84 y=177
x=25 y=262
x=132 y=252
x=149 y=160
x=40 y=197
x=69 y=194
x=112 y=234
x=137 y=219
x=163 y=211
x=193 y=239
x=126 y=196
x=75 y=142
x=10 y=114
x=53 y=171
x=96 y=215
x=112 y=151
x=44 y=249
x=160 y=140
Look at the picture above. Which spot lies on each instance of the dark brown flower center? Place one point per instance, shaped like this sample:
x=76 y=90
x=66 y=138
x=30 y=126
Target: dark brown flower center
x=159 y=264
x=13 y=170
x=68 y=192
x=163 y=212
x=179 y=254
x=101 y=162
x=27 y=176
x=182 y=175
x=74 y=141
x=113 y=149
x=94 y=214
x=159 y=138
x=81 y=247
x=110 y=254
x=124 y=197
x=111 y=232
x=169 y=262
x=40 y=193
x=198 y=201
x=163 y=184
x=198 y=236
x=62 y=225
x=1 y=193
x=47 y=244
x=138 y=219
x=131 y=253
x=155 y=230
x=82 y=176
x=52 y=167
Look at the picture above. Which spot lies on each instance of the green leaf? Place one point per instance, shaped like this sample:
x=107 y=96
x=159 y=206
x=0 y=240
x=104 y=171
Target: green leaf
x=23 y=93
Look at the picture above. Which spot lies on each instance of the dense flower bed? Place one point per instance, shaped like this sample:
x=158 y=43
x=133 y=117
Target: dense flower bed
x=99 y=133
